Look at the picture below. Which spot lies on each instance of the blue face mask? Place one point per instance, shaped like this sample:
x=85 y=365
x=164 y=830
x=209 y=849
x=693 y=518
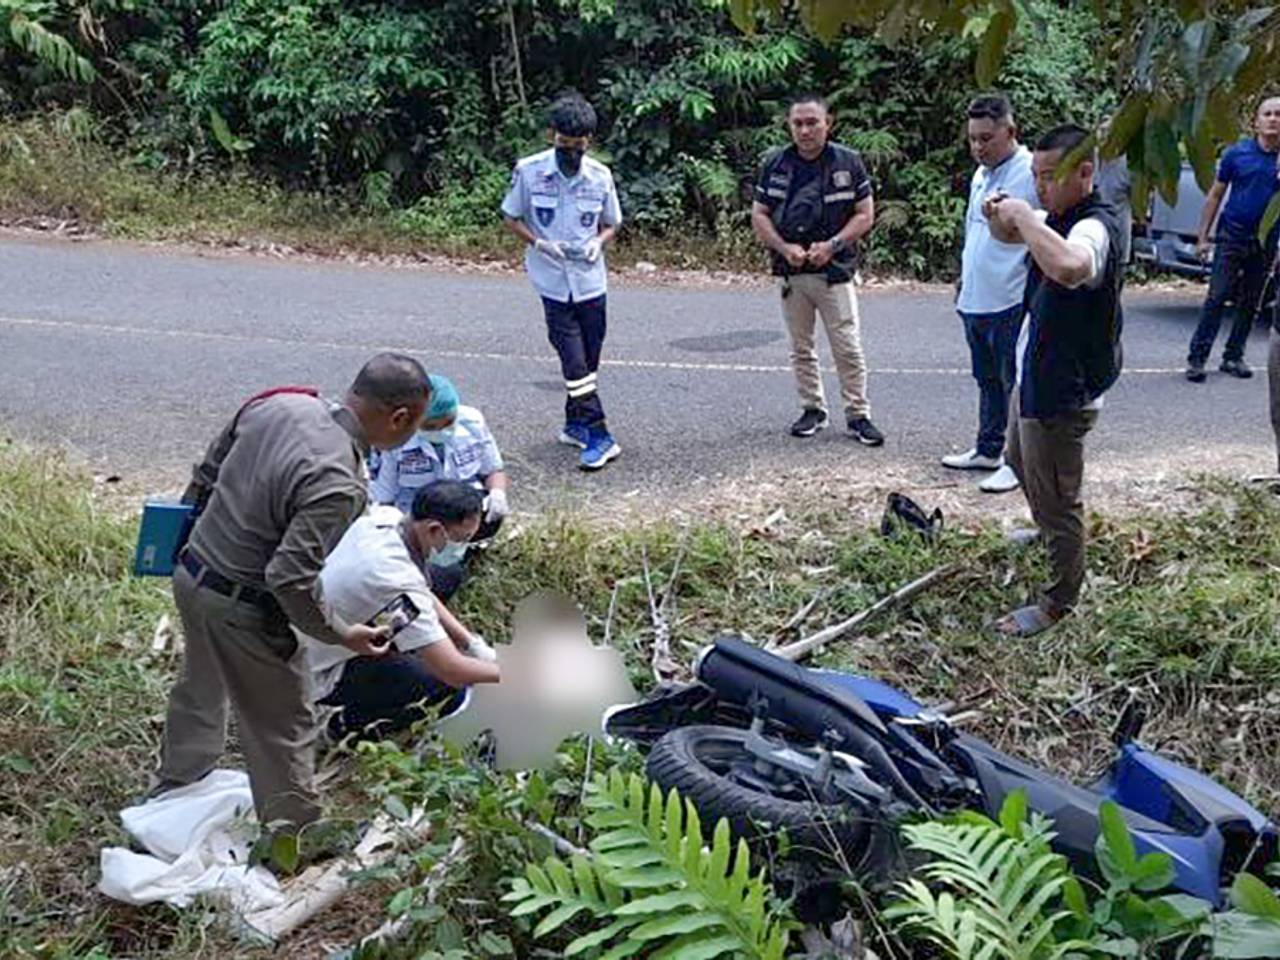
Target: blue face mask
x=450 y=555
x=438 y=437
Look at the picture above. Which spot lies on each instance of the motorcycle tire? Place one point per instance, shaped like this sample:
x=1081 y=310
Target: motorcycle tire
x=678 y=761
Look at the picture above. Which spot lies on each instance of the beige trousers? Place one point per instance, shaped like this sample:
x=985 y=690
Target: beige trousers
x=805 y=295
x=231 y=658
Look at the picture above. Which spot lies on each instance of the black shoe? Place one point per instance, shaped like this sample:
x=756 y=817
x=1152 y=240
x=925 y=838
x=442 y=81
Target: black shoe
x=1236 y=368
x=865 y=432
x=810 y=422
x=1195 y=371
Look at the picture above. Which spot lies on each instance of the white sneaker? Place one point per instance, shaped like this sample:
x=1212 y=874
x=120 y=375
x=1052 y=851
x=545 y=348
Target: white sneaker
x=971 y=460
x=1002 y=481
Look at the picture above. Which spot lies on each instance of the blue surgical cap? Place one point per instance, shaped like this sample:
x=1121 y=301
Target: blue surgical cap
x=444 y=398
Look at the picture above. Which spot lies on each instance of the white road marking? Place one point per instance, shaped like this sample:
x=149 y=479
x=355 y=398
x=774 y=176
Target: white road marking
x=547 y=359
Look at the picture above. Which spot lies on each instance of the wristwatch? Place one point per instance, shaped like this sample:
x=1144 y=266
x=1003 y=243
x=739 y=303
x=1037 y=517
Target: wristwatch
x=838 y=245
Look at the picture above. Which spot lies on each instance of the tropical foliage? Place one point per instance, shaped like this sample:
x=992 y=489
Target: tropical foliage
x=651 y=888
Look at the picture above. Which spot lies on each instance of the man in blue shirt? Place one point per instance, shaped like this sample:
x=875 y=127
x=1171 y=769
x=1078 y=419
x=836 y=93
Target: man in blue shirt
x=564 y=205
x=1250 y=169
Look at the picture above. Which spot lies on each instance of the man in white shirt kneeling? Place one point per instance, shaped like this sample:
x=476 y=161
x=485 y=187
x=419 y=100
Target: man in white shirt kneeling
x=380 y=566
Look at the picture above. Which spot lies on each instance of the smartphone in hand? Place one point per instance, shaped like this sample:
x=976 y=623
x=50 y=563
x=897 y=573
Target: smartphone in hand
x=396 y=614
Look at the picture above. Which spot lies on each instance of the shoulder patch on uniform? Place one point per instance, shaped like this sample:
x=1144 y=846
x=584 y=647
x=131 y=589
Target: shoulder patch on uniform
x=842 y=178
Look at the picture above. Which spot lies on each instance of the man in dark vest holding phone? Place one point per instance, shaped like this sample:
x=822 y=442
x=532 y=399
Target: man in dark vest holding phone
x=1068 y=353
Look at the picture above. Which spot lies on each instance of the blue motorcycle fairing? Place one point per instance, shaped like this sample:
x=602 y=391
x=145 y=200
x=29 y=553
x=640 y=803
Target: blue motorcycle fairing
x=1174 y=794
x=882 y=698
x=1075 y=812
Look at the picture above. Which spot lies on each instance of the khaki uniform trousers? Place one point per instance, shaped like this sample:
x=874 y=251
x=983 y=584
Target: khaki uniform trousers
x=1048 y=457
x=1273 y=381
x=231 y=657
x=838 y=305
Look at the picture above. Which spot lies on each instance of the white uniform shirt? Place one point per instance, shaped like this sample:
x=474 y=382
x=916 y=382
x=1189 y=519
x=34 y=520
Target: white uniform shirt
x=993 y=274
x=368 y=568
x=1090 y=234
x=469 y=454
x=568 y=209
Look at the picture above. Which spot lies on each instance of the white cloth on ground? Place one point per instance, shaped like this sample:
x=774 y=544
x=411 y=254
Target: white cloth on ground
x=197 y=839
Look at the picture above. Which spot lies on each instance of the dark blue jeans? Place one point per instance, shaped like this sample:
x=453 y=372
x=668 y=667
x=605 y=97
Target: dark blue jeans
x=1239 y=272
x=380 y=696
x=577 y=332
x=993 y=340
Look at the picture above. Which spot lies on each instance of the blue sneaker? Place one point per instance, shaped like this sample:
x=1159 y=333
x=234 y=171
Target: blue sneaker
x=575 y=435
x=600 y=450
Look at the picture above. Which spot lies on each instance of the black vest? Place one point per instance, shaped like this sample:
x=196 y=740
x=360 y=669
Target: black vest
x=1073 y=352
x=817 y=209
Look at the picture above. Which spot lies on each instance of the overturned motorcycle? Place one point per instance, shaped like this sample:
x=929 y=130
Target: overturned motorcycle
x=833 y=761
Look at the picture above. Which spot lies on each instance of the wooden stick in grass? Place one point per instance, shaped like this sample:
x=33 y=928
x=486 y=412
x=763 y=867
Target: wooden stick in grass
x=318 y=888
x=802 y=648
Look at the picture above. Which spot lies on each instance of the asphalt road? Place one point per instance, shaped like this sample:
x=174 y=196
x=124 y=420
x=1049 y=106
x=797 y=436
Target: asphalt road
x=134 y=357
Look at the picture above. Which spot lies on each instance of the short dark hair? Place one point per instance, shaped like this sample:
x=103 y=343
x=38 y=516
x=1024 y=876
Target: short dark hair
x=572 y=115
x=1065 y=137
x=449 y=501
x=807 y=96
x=394 y=380
x=990 y=106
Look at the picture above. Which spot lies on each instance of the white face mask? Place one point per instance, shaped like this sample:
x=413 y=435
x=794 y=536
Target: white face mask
x=449 y=555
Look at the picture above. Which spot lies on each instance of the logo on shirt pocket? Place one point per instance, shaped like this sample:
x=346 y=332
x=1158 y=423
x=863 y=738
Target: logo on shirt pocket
x=842 y=178
x=587 y=219
x=546 y=215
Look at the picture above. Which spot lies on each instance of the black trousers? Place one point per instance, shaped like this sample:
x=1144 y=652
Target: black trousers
x=1239 y=273
x=577 y=332
x=380 y=696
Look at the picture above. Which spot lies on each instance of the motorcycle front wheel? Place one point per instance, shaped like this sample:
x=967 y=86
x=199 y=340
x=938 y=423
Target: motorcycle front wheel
x=711 y=767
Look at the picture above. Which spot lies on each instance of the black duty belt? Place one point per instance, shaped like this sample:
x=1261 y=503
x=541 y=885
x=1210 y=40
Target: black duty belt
x=209 y=578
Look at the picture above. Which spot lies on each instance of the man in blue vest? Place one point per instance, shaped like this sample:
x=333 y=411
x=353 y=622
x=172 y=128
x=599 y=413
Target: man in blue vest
x=1249 y=168
x=813 y=204
x=1068 y=355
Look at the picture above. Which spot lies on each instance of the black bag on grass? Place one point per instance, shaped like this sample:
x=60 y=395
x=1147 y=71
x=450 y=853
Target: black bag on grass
x=903 y=512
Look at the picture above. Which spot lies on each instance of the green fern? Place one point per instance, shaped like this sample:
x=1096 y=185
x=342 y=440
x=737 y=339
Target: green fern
x=1000 y=888
x=51 y=49
x=651 y=887
x=712 y=177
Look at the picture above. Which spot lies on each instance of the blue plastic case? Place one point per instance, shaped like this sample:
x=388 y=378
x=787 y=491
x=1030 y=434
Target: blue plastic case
x=165 y=525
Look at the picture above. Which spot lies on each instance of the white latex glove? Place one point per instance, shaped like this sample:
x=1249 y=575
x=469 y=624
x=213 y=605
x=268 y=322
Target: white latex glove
x=496 y=506
x=549 y=248
x=591 y=250
x=479 y=650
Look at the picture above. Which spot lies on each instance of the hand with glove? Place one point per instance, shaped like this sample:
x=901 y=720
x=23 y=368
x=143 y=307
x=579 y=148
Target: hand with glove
x=550 y=248
x=479 y=650
x=496 y=506
x=591 y=250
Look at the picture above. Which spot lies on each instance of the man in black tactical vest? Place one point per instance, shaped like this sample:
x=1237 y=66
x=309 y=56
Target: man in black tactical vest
x=1068 y=354
x=812 y=205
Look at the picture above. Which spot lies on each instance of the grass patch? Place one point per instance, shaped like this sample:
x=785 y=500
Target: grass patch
x=54 y=172
x=1182 y=607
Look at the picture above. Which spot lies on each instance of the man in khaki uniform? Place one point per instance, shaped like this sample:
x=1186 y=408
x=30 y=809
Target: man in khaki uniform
x=813 y=204
x=275 y=492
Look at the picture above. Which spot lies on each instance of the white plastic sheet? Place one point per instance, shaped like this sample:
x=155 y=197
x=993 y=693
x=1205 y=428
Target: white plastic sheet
x=197 y=840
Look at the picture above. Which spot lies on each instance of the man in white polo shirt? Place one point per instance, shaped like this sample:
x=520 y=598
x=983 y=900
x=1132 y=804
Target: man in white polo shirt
x=993 y=279
x=385 y=555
